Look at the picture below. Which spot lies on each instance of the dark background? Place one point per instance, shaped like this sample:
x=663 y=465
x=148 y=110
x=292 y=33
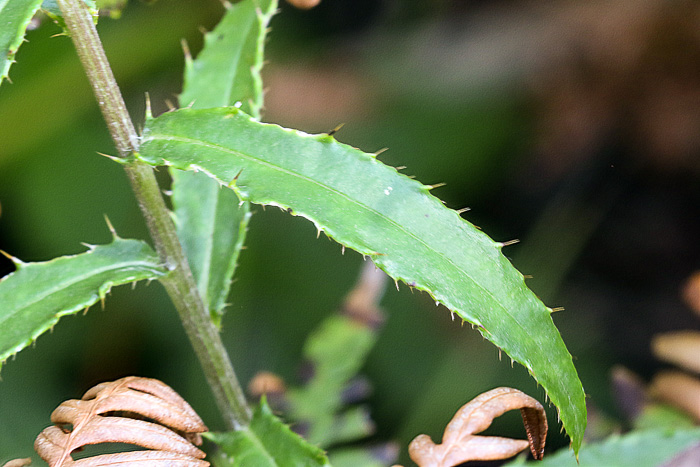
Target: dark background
x=571 y=126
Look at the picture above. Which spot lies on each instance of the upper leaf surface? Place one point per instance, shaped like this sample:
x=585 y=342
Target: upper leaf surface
x=16 y=15
x=266 y=442
x=36 y=295
x=210 y=223
x=227 y=70
x=373 y=209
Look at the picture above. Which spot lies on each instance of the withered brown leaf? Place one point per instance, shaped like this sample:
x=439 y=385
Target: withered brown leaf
x=18 y=462
x=460 y=444
x=107 y=414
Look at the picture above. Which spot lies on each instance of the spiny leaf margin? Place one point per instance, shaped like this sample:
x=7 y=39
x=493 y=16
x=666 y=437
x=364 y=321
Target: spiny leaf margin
x=211 y=223
x=37 y=295
x=371 y=208
x=16 y=16
x=266 y=442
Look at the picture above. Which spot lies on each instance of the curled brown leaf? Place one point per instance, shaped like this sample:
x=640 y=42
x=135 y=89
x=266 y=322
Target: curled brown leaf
x=304 y=4
x=106 y=414
x=460 y=442
x=18 y=462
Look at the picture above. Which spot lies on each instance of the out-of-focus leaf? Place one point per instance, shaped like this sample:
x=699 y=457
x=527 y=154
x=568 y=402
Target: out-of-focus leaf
x=373 y=209
x=37 y=295
x=649 y=448
x=266 y=442
x=335 y=353
x=211 y=222
x=113 y=8
x=378 y=456
x=16 y=16
x=662 y=416
x=52 y=9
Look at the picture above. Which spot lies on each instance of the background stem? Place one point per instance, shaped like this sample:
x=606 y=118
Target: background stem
x=179 y=283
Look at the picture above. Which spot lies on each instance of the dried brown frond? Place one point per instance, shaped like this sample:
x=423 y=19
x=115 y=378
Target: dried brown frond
x=304 y=4
x=460 y=444
x=18 y=462
x=106 y=414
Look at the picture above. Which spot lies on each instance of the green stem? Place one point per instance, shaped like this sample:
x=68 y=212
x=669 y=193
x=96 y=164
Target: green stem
x=179 y=284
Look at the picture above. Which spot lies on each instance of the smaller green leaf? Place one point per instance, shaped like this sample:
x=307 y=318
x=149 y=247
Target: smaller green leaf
x=16 y=16
x=266 y=442
x=227 y=70
x=648 y=448
x=211 y=222
x=211 y=225
x=335 y=352
x=37 y=295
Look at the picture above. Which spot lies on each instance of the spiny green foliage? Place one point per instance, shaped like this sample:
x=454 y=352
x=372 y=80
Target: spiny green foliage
x=37 y=295
x=227 y=70
x=373 y=209
x=648 y=448
x=211 y=222
x=266 y=442
x=16 y=15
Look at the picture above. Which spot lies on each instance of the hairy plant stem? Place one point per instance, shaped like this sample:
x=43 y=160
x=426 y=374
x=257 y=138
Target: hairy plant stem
x=179 y=283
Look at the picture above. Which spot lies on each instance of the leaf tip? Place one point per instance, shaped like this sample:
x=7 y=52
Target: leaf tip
x=335 y=130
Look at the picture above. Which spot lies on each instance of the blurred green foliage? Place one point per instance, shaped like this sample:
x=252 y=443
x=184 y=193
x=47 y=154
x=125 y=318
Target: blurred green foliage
x=55 y=189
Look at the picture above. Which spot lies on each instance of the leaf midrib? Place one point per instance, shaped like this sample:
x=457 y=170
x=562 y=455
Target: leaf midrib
x=409 y=233
x=63 y=285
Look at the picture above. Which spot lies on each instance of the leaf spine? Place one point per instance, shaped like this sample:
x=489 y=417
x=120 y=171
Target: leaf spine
x=336 y=129
x=16 y=261
x=508 y=243
x=463 y=210
x=111 y=228
x=437 y=185
x=149 y=114
x=186 y=52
